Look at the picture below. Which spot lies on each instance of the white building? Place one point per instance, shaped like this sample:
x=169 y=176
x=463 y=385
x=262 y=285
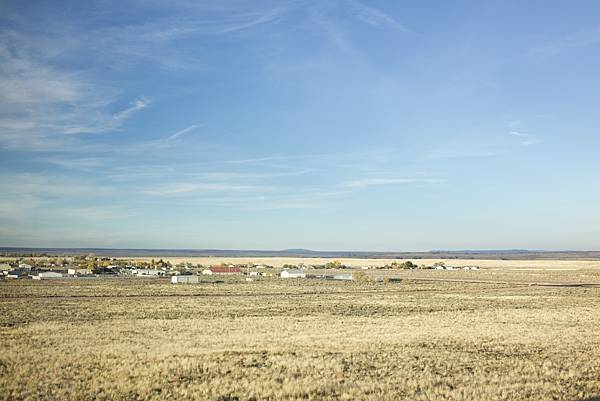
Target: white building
x=78 y=272
x=293 y=273
x=343 y=276
x=47 y=275
x=188 y=279
x=443 y=267
x=24 y=266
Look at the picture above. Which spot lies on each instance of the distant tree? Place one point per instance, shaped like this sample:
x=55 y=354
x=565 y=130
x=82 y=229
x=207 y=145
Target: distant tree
x=335 y=264
x=90 y=264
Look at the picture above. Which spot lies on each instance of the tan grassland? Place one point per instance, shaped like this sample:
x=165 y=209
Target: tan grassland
x=359 y=262
x=226 y=339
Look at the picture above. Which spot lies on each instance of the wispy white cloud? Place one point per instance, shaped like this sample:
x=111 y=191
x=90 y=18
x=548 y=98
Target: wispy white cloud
x=199 y=171
x=201 y=21
x=255 y=175
x=45 y=186
x=333 y=31
x=254 y=160
x=181 y=132
x=27 y=81
x=138 y=104
x=94 y=213
x=284 y=198
x=334 y=24
x=187 y=188
x=365 y=155
x=85 y=164
x=34 y=199
x=166 y=41
x=41 y=102
x=379 y=181
x=104 y=122
x=439 y=154
x=251 y=20
x=14 y=208
x=375 y=16
x=526 y=139
x=166 y=142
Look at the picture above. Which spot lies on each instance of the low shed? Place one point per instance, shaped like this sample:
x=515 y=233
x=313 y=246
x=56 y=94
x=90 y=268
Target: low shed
x=47 y=275
x=78 y=272
x=343 y=276
x=293 y=273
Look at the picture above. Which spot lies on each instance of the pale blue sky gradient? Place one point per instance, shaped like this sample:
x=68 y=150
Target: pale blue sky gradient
x=330 y=125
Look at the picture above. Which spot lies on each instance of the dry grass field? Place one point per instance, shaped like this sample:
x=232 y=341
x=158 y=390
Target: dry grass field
x=359 y=262
x=131 y=339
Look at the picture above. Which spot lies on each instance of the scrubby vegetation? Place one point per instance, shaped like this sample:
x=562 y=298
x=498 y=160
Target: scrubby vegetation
x=126 y=339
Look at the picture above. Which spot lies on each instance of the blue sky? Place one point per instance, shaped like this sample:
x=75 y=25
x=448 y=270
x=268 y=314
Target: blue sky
x=331 y=125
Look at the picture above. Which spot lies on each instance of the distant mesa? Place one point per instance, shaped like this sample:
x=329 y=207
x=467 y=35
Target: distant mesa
x=298 y=250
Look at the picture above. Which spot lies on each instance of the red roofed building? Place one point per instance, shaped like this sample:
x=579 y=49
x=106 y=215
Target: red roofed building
x=222 y=270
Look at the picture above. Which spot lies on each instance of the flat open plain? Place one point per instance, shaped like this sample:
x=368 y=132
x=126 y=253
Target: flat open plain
x=359 y=262
x=506 y=332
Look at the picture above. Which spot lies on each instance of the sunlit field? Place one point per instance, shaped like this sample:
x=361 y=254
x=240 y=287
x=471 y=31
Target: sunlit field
x=359 y=262
x=274 y=339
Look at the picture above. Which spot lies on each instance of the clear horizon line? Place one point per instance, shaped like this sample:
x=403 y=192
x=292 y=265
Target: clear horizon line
x=462 y=250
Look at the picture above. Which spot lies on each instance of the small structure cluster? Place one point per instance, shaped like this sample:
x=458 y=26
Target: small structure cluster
x=90 y=266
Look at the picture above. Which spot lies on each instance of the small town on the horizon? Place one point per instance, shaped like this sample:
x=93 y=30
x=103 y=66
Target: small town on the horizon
x=47 y=263
x=42 y=267
x=55 y=263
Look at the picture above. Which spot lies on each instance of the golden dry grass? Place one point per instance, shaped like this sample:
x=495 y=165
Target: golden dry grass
x=128 y=339
x=358 y=262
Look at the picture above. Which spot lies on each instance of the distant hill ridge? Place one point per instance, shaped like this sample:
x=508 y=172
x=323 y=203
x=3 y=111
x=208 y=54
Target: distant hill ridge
x=511 y=254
